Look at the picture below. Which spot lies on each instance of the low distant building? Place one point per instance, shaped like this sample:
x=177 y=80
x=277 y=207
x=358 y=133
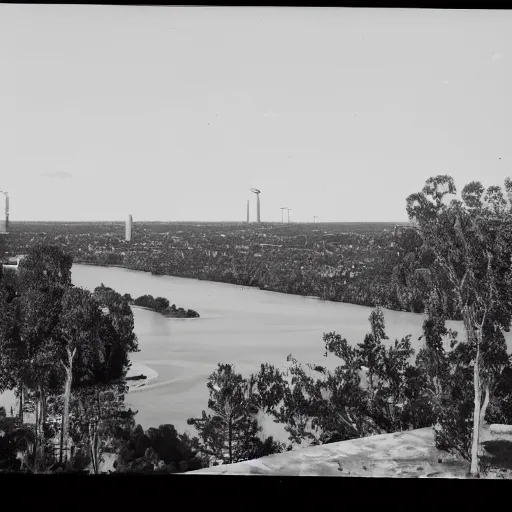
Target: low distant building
x=12 y=263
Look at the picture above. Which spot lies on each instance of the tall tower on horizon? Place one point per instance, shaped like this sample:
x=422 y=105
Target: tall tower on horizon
x=282 y=208
x=6 y=211
x=128 y=233
x=257 y=192
x=4 y=222
x=247 y=211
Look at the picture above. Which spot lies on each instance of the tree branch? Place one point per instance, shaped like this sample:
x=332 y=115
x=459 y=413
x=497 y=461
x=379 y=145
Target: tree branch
x=464 y=280
x=486 y=309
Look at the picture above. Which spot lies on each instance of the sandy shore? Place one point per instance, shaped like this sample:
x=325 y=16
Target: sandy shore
x=140 y=369
x=8 y=399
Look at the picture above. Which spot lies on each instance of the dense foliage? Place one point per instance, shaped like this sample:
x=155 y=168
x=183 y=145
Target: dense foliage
x=374 y=389
x=340 y=262
x=55 y=341
x=379 y=388
x=466 y=251
x=14 y=437
x=160 y=450
x=231 y=433
x=65 y=351
x=161 y=305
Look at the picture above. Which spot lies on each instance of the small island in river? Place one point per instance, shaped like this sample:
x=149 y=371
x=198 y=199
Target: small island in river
x=161 y=305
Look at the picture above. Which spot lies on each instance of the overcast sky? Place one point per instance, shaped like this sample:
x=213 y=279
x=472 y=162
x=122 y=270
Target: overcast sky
x=174 y=113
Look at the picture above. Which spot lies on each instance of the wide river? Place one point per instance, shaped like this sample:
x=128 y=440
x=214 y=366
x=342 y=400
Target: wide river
x=238 y=325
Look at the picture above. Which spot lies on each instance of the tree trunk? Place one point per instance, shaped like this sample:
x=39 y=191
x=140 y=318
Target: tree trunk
x=43 y=409
x=94 y=451
x=36 y=440
x=67 y=399
x=483 y=410
x=21 y=401
x=230 y=441
x=61 y=448
x=475 y=466
x=65 y=413
x=39 y=441
x=95 y=442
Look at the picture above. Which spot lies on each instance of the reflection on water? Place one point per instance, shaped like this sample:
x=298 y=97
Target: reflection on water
x=239 y=325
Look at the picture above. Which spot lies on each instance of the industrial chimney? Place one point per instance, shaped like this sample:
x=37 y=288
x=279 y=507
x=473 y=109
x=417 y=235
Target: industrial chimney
x=128 y=233
x=4 y=222
x=257 y=192
x=6 y=211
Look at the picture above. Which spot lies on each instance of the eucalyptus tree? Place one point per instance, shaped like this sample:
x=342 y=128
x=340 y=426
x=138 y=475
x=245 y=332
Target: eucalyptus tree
x=78 y=339
x=117 y=328
x=100 y=420
x=376 y=404
x=41 y=281
x=468 y=253
x=96 y=340
x=54 y=336
x=366 y=392
x=230 y=432
x=12 y=350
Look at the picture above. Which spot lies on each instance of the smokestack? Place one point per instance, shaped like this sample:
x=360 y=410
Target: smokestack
x=247 y=211
x=257 y=192
x=6 y=211
x=4 y=222
x=128 y=233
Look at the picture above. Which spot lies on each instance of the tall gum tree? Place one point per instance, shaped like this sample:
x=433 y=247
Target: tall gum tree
x=105 y=397
x=469 y=244
x=47 y=325
x=78 y=335
x=12 y=350
x=116 y=331
x=42 y=279
x=96 y=339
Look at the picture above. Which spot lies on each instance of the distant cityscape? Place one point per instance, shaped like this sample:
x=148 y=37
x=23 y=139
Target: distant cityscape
x=4 y=221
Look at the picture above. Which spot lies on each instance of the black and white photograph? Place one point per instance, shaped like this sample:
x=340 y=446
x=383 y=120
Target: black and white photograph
x=259 y=241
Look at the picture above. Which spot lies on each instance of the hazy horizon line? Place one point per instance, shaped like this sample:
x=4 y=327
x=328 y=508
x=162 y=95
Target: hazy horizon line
x=199 y=222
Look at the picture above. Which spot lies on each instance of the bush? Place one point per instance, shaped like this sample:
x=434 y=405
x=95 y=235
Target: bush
x=159 y=449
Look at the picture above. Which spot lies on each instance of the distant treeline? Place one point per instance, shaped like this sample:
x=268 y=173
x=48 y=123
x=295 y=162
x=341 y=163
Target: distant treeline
x=340 y=262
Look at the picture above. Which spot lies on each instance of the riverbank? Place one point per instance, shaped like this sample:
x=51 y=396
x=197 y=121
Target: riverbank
x=226 y=282
x=145 y=374
x=242 y=284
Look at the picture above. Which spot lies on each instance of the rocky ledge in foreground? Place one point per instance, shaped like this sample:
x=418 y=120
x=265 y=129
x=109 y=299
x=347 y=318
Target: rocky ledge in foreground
x=408 y=454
